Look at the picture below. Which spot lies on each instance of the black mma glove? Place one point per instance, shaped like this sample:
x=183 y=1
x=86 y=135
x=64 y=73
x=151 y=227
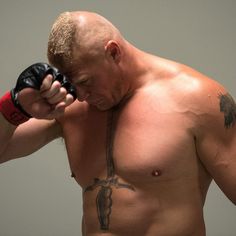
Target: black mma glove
x=31 y=77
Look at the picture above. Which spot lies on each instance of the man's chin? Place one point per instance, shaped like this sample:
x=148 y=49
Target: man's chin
x=103 y=107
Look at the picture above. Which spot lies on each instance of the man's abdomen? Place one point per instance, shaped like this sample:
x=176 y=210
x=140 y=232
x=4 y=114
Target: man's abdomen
x=141 y=212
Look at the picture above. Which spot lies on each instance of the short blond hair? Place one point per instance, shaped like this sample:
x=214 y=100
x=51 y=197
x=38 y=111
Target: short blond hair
x=79 y=38
x=61 y=39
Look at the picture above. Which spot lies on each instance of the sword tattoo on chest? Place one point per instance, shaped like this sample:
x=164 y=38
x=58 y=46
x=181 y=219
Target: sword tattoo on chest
x=104 y=197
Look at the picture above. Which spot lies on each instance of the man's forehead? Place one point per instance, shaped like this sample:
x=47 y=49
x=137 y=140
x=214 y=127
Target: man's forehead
x=71 y=70
x=77 y=74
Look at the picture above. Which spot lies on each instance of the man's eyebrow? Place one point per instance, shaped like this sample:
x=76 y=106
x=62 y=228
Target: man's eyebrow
x=80 y=79
x=69 y=75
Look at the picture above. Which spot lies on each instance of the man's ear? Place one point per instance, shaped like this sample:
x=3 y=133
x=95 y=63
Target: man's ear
x=112 y=50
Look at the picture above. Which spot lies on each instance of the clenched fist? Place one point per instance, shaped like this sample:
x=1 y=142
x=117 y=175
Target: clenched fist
x=41 y=92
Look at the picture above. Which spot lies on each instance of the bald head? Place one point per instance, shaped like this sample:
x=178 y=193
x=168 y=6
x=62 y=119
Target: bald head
x=79 y=36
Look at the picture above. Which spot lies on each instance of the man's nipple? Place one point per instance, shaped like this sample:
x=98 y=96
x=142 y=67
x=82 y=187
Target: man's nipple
x=156 y=173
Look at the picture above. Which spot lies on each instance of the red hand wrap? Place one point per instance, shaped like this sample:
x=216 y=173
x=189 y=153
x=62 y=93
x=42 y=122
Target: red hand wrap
x=10 y=112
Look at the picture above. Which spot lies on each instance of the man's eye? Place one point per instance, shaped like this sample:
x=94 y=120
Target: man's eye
x=82 y=82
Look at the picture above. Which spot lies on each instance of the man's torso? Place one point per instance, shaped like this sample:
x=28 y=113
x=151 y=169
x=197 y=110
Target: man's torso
x=137 y=164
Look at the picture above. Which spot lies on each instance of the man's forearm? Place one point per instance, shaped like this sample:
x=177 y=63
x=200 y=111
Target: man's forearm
x=6 y=133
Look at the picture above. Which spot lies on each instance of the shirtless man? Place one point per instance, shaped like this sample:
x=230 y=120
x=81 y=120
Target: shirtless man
x=145 y=138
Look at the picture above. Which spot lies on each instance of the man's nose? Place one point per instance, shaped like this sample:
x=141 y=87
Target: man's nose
x=82 y=94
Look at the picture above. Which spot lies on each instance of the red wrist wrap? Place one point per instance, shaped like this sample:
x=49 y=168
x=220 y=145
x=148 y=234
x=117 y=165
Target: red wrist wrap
x=10 y=111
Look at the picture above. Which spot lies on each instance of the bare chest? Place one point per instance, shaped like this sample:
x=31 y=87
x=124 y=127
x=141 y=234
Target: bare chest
x=137 y=145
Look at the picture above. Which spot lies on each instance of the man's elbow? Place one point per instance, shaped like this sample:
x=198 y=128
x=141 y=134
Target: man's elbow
x=2 y=159
x=233 y=200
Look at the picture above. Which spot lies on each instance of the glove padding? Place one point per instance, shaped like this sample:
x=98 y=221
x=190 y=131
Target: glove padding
x=32 y=77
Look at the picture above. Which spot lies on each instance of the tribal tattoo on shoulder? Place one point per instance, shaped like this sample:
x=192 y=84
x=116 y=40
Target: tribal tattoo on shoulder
x=104 y=197
x=228 y=107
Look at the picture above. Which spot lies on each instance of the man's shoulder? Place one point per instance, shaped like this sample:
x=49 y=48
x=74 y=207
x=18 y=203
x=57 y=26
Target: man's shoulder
x=198 y=89
x=186 y=86
x=206 y=98
x=194 y=81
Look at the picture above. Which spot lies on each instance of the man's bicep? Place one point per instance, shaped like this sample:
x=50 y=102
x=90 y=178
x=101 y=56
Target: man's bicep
x=216 y=146
x=29 y=137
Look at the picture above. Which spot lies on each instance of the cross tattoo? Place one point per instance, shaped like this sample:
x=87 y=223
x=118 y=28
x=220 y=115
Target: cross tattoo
x=104 y=196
